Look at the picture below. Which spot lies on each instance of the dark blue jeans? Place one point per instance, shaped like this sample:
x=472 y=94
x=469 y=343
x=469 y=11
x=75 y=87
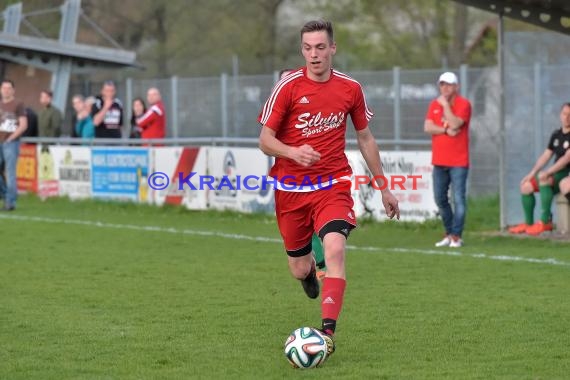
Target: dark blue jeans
x=443 y=177
x=9 y=152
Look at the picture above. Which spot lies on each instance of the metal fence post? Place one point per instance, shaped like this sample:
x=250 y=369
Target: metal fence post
x=397 y=107
x=174 y=105
x=224 y=103
x=538 y=145
x=128 y=106
x=464 y=80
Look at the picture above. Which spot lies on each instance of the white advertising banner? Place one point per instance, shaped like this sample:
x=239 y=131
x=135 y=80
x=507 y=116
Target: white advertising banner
x=171 y=180
x=409 y=175
x=64 y=171
x=238 y=176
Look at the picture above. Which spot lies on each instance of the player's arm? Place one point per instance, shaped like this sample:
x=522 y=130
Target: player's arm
x=147 y=118
x=371 y=153
x=558 y=165
x=540 y=162
x=304 y=155
x=99 y=113
x=22 y=126
x=453 y=121
x=431 y=129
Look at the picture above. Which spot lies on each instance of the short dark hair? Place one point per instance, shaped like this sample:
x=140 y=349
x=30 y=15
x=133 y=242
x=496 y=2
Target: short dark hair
x=8 y=81
x=48 y=92
x=109 y=83
x=567 y=104
x=317 y=26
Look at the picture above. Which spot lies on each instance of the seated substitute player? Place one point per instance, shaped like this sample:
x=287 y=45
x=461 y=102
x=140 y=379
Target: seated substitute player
x=546 y=182
x=316 y=242
x=304 y=127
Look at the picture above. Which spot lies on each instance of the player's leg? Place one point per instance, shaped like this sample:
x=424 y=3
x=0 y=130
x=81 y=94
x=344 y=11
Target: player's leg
x=564 y=186
x=334 y=219
x=458 y=176
x=527 y=190
x=319 y=256
x=2 y=178
x=441 y=181
x=296 y=230
x=302 y=266
x=548 y=189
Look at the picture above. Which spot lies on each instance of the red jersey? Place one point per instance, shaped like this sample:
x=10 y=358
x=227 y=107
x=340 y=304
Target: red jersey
x=447 y=150
x=302 y=111
x=153 y=122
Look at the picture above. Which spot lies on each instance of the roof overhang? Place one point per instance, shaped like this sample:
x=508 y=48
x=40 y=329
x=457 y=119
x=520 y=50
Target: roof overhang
x=550 y=14
x=47 y=53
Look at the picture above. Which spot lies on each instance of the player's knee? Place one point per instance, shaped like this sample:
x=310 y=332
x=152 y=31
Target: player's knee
x=300 y=269
x=526 y=188
x=565 y=186
x=334 y=246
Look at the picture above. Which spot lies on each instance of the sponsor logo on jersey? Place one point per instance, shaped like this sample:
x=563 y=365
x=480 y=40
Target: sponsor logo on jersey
x=315 y=124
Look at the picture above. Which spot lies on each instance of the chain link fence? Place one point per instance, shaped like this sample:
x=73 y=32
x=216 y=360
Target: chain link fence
x=228 y=106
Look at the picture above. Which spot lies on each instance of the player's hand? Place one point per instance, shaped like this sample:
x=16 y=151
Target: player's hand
x=305 y=155
x=544 y=177
x=527 y=178
x=107 y=103
x=442 y=100
x=390 y=204
x=452 y=132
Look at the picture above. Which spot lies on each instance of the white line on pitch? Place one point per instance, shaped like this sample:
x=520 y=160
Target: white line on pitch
x=172 y=230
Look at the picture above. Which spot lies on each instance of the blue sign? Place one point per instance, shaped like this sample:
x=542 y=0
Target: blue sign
x=118 y=172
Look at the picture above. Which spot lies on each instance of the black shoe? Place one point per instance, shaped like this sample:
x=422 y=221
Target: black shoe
x=8 y=208
x=311 y=284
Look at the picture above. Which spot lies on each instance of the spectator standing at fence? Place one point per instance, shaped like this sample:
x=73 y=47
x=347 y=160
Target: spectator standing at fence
x=447 y=121
x=546 y=182
x=50 y=119
x=13 y=124
x=84 y=126
x=107 y=112
x=305 y=152
x=139 y=109
x=153 y=122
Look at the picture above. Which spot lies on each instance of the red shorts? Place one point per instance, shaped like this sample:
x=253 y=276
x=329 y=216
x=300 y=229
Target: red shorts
x=301 y=214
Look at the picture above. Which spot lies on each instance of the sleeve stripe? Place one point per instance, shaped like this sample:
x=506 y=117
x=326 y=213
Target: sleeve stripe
x=268 y=107
x=369 y=113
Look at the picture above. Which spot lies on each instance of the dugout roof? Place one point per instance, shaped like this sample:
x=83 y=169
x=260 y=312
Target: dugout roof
x=550 y=14
x=41 y=52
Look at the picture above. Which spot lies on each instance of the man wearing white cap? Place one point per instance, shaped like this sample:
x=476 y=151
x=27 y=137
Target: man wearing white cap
x=447 y=121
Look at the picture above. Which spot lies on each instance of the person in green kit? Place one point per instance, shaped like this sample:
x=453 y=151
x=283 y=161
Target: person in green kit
x=316 y=242
x=50 y=118
x=546 y=182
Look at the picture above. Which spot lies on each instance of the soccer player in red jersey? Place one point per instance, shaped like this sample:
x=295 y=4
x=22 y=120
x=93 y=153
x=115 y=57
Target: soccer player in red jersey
x=304 y=127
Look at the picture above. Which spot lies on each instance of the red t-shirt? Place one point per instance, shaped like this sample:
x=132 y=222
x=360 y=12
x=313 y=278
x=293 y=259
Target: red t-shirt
x=447 y=150
x=153 y=122
x=302 y=111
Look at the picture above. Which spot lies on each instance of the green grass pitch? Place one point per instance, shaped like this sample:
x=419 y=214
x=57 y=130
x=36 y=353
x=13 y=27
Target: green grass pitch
x=102 y=290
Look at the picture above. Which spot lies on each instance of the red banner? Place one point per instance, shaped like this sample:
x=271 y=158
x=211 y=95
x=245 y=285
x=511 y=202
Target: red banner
x=27 y=170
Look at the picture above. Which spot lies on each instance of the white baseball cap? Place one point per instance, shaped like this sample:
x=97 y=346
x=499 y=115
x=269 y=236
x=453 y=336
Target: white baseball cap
x=448 y=77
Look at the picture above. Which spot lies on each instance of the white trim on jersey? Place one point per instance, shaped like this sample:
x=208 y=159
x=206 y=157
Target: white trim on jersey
x=368 y=112
x=309 y=188
x=268 y=107
x=154 y=108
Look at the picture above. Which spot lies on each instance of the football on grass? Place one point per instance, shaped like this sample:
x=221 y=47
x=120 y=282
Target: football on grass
x=306 y=348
